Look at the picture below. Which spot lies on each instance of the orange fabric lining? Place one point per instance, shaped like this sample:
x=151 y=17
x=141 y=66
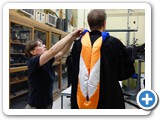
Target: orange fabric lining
x=90 y=56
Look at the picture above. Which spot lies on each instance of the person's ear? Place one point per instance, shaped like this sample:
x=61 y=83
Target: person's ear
x=32 y=52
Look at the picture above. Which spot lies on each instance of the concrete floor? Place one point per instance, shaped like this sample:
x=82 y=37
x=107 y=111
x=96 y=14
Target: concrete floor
x=67 y=102
x=21 y=103
x=67 y=105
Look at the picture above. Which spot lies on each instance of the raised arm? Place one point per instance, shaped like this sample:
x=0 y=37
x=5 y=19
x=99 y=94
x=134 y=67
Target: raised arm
x=59 y=46
x=63 y=51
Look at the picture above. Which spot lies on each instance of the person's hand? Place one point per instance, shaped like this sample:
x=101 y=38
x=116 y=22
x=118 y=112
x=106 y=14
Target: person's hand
x=76 y=33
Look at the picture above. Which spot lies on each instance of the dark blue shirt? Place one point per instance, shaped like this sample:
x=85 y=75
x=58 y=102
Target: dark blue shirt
x=40 y=82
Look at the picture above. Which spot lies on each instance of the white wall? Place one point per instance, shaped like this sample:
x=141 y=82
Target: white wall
x=80 y=21
x=117 y=23
x=117 y=19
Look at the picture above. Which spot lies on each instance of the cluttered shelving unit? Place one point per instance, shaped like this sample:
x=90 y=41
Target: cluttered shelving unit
x=22 y=30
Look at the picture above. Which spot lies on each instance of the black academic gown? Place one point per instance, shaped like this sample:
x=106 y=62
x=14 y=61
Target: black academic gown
x=69 y=69
x=115 y=66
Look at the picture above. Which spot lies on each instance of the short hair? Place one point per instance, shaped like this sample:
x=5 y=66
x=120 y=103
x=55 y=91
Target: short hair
x=31 y=46
x=96 y=18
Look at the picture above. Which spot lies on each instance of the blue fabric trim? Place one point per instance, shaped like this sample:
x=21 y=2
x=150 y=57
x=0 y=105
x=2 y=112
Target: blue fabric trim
x=135 y=76
x=105 y=35
x=83 y=33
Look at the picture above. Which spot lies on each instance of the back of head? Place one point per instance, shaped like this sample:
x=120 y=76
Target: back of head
x=96 y=19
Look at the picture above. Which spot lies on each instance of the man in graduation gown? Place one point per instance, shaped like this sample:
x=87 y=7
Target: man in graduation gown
x=100 y=61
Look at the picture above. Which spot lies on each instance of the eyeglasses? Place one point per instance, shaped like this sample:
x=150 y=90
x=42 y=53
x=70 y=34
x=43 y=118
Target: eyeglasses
x=40 y=45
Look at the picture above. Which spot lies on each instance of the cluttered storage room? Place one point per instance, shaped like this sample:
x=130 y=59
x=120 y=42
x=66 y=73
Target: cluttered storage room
x=76 y=58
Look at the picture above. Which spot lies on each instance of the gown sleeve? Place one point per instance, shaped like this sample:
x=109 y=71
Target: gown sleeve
x=126 y=65
x=75 y=53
